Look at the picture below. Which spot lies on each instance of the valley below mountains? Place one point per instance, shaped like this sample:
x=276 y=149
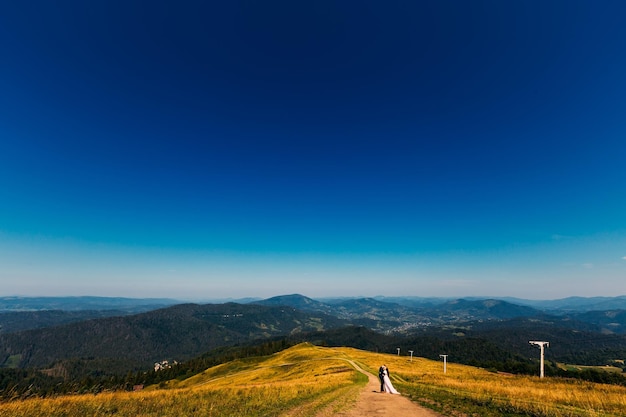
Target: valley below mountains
x=75 y=342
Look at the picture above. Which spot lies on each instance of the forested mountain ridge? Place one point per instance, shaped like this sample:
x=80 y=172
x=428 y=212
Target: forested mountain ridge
x=179 y=332
x=574 y=304
x=15 y=321
x=393 y=316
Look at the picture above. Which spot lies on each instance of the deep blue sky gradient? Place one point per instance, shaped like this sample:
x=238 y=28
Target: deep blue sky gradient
x=226 y=149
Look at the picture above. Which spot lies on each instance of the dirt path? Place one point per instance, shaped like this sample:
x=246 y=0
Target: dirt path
x=372 y=402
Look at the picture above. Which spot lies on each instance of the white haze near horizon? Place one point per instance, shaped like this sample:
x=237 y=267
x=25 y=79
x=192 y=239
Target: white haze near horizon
x=554 y=270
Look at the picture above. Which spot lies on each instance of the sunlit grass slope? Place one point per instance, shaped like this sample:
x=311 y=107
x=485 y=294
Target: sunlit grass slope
x=479 y=392
x=296 y=382
x=305 y=379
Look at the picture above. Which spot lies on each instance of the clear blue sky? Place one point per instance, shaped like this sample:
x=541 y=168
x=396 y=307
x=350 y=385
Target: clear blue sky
x=204 y=150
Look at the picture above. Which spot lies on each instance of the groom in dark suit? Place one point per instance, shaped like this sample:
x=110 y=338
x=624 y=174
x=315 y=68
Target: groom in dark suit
x=381 y=376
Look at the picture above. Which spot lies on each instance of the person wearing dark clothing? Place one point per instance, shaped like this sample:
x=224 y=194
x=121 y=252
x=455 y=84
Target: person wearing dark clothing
x=381 y=376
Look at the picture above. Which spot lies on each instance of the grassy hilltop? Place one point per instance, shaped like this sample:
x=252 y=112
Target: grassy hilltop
x=307 y=380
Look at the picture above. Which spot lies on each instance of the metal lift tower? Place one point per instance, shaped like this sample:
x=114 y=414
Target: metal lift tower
x=541 y=346
x=445 y=363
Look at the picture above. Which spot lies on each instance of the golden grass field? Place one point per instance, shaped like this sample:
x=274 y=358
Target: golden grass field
x=479 y=392
x=305 y=379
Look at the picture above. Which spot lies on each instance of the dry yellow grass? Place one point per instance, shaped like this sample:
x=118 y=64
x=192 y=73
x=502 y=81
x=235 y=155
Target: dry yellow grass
x=293 y=383
x=302 y=380
x=424 y=379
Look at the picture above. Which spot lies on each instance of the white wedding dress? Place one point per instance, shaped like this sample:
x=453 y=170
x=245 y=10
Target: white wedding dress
x=387 y=385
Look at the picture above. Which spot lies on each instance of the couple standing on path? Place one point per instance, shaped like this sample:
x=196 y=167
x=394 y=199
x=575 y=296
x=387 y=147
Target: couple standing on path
x=385 y=382
x=370 y=404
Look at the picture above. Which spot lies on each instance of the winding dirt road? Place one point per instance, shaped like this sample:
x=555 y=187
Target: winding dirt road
x=373 y=403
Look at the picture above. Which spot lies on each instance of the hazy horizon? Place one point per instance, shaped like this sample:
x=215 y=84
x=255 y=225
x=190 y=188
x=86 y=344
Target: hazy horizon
x=330 y=297
x=228 y=150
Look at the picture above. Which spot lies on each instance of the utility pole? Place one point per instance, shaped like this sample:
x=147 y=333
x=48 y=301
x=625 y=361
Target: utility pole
x=398 y=351
x=445 y=363
x=541 y=345
x=411 y=352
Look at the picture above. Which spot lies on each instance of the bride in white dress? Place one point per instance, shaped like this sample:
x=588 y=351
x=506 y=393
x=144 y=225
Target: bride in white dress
x=387 y=385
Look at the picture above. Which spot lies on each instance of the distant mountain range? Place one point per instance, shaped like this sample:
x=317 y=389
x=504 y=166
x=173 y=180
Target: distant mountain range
x=134 y=305
x=130 y=305
x=111 y=335
x=399 y=315
x=180 y=332
x=574 y=304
